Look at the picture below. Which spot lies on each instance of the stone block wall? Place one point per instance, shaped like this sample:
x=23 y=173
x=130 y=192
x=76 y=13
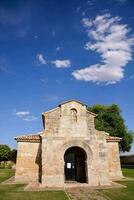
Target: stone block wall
x=53 y=161
x=52 y=164
x=70 y=133
x=90 y=121
x=51 y=121
x=67 y=127
x=28 y=167
x=115 y=172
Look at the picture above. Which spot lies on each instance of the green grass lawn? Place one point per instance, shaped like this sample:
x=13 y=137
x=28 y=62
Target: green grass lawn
x=123 y=193
x=128 y=172
x=6 y=174
x=16 y=192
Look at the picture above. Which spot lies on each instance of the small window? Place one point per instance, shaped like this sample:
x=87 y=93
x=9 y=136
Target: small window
x=73 y=115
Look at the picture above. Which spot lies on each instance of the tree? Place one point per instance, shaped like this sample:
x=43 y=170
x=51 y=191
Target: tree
x=5 y=152
x=13 y=155
x=109 y=119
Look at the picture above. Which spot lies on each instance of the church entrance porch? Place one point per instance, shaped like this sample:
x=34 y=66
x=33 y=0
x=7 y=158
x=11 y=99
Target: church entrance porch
x=75 y=168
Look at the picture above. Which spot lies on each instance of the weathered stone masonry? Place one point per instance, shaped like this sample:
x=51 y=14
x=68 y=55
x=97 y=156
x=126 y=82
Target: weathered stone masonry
x=41 y=157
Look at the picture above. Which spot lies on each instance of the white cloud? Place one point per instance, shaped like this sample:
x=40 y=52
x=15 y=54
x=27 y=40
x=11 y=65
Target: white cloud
x=22 y=113
x=112 y=40
x=41 y=59
x=87 y=22
x=30 y=118
x=58 y=48
x=25 y=115
x=99 y=73
x=62 y=63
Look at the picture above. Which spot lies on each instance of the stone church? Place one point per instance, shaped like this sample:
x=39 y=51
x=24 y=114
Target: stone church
x=69 y=150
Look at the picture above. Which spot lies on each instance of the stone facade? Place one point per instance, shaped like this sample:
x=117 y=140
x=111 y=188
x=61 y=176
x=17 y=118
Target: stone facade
x=41 y=157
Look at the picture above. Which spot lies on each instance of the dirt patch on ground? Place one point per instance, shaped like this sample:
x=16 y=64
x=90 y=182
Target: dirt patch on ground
x=85 y=194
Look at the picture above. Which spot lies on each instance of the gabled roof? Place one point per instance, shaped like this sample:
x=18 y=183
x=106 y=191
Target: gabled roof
x=72 y=100
x=68 y=102
x=79 y=103
x=50 y=110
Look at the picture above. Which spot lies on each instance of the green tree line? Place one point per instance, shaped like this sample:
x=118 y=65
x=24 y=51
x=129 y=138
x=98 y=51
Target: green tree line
x=7 y=154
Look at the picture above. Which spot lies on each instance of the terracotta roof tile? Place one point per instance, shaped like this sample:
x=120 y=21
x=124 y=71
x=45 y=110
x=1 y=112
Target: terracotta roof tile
x=36 y=138
x=113 y=139
x=28 y=138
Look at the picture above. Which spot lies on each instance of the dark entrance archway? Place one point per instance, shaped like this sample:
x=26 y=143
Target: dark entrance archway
x=75 y=168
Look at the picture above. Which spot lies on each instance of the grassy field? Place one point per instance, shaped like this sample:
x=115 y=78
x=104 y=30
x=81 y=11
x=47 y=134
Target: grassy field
x=16 y=192
x=128 y=172
x=6 y=174
x=123 y=193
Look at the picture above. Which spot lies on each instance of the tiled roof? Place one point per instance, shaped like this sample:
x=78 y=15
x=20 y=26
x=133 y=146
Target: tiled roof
x=113 y=139
x=36 y=138
x=28 y=138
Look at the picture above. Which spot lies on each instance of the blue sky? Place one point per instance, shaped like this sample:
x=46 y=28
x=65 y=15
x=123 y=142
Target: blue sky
x=52 y=51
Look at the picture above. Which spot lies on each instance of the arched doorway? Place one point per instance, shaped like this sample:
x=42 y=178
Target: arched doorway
x=75 y=168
